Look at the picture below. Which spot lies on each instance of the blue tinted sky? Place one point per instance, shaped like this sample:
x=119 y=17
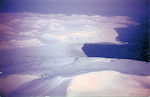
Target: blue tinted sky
x=132 y=8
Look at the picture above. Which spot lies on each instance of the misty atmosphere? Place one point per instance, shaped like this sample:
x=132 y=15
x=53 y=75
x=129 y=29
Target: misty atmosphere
x=74 y=48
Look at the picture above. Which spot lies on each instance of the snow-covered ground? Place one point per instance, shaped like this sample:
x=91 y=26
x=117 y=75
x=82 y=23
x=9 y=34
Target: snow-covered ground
x=75 y=76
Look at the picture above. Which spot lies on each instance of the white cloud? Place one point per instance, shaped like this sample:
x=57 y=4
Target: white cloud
x=109 y=83
x=26 y=43
x=6 y=29
x=65 y=29
x=20 y=43
x=30 y=33
x=4 y=45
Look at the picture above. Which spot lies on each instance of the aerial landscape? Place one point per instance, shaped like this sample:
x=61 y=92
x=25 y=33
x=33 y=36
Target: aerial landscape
x=74 y=48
